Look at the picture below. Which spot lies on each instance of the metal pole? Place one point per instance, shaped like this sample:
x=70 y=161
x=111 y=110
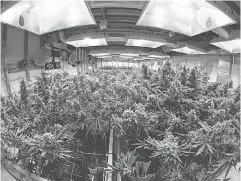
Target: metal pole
x=231 y=66
x=110 y=157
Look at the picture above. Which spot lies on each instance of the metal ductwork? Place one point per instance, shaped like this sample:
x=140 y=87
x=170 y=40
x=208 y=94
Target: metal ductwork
x=216 y=51
x=224 y=33
x=62 y=36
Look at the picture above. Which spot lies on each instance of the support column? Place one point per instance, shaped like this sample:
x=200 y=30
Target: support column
x=82 y=60
x=3 y=61
x=86 y=61
x=26 y=54
x=64 y=55
x=78 y=59
x=231 y=66
x=110 y=156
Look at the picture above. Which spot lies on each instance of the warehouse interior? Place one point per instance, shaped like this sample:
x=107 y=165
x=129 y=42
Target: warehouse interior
x=82 y=37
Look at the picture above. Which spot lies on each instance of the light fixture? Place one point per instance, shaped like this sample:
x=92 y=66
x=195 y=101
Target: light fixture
x=143 y=43
x=130 y=54
x=88 y=42
x=156 y=56
x=106 y=56
x=44 y=16
x=149 y=58
x=100 y=54
x=125 y=57
x=232 y=46
x=188 y=50
x=187 y=17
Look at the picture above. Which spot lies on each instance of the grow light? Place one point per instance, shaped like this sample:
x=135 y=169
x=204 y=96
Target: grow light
x=43 y=16
x=156 y=56
x=88 y=42
x=149 y=58
x=188 y=50
x=129 y=54
x=100 y=54
x=107 y=56
x=232 y=46
x=144 y=43
x=186 y=17
x=125 y=57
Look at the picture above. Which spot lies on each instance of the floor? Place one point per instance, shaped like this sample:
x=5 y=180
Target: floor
x=5 y=176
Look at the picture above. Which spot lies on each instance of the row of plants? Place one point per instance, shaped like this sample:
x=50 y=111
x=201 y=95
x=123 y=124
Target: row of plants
x=174 y=123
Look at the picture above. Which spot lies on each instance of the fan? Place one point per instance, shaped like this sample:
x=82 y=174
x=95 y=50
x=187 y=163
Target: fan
x=72 y=58
x=41 y=56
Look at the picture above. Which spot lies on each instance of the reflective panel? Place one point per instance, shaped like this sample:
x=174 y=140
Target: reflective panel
x=129 y=54
x=189 y=17
x=232 y=46
x=106 y=56
x=149 y=58
x=125 y=57
x=43 y=16
x=100 y=54
x=144 y=43
x=188 y=50
x=88 y=42
x=156 y=56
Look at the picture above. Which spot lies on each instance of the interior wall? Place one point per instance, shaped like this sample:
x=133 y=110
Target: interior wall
x=217 y=66
x=236 y=71
x=15 y=42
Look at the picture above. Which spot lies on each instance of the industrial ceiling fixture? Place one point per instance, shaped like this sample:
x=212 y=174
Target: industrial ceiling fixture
x=157 y=56
x=144 y=43
x=45 y=16
x=188 y=50
x=186 y=17
x=232 y=46
x=129 y=54
x=88 y=42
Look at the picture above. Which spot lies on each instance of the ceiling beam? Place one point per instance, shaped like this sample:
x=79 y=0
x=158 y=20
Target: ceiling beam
x=125 y=49
x=226 y=9
x=5 y=5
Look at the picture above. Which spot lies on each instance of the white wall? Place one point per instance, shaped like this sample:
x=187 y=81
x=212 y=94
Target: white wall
x=15 y=42
x=216 y=66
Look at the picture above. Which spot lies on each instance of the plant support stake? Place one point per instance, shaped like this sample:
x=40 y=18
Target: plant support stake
x=108 y=173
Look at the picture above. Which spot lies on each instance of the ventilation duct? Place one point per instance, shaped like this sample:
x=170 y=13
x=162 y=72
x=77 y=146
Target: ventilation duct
x=224 y=33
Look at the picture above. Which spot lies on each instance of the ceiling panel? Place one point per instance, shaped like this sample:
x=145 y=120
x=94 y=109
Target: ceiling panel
x=40 y=17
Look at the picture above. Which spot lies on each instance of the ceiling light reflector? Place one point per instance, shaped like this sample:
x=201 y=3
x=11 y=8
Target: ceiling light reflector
x=187 y=17
x=88 y=42
x=44 y=16
x=144 y=43
x=232 y=46
x=188 y=50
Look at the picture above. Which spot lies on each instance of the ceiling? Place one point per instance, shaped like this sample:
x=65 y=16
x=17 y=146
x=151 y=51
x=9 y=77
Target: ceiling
x=150 y=28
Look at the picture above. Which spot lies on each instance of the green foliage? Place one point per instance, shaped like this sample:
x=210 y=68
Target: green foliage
x=23 y=93
x=180 y=121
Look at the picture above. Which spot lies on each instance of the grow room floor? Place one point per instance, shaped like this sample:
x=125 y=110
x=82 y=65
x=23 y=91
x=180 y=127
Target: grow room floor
x=5 y=176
